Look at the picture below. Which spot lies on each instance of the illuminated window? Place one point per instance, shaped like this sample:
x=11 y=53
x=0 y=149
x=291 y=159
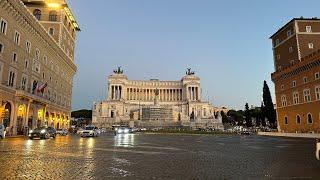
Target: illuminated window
x=37 y=14
x=310 y=45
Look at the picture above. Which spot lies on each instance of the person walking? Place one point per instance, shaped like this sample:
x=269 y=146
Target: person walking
x=317 y=149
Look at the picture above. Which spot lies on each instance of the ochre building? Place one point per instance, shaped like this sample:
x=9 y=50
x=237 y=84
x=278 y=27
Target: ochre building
x=297 y=80
x=37 y=42
x=155 y=103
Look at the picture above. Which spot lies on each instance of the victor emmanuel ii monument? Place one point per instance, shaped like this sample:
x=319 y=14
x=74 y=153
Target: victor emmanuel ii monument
x=155 y=103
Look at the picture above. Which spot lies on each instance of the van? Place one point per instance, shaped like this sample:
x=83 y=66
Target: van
x=2 y=131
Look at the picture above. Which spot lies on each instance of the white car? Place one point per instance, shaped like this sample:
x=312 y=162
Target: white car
x=90 y=131
x=2 y=131
x=62 y=132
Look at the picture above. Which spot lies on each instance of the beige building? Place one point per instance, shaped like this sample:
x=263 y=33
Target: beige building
x=153 y=103
x=37 y=40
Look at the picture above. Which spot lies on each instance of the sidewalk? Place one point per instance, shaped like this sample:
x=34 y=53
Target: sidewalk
x=297 y=135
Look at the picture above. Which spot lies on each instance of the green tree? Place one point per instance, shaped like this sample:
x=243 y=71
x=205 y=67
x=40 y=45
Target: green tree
x=224 y=117
x=247 y=115
x=269 y=110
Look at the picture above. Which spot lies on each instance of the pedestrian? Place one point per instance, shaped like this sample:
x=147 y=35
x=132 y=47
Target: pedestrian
x=318 y=149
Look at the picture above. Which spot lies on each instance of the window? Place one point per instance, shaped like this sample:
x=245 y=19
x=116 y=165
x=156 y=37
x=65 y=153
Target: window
x=309 y=117
x=26 y=64
x=1 y=48
x=51 y=31
x=28 y=46
x=282 y=87
x=285 y=120
x=283 y=101
x=23 y=82
x=11 y=80
x=298 y=119
x=45 y=60
x=292 y=62
x=318 y=92
x=294 y=83
x=278 y=56
x=3 y=26
x=15 y=57
x=295 y=98
x=37 y=54
x=37 y=14
x=307 y=96
x=36 y=66
x=290 y=49
x=289 y=33
x=305 y=79
x=277 y=41
x=17 y=37
x=53 y=16
x=310 y=45
x=308 y=29
x=316 y=75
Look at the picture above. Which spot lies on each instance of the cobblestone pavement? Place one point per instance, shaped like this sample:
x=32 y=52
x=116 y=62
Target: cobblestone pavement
x=145 y=156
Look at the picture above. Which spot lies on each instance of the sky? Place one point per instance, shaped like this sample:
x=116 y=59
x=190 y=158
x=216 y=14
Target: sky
x=225 y=42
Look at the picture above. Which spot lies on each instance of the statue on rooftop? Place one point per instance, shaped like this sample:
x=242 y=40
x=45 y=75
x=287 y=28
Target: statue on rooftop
x=189 y=72
x=118 y=71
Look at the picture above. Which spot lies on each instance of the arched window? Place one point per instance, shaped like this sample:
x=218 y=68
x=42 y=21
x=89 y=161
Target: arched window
x=285 y=120
x=310 y=120
x=37 y=14
x=53 y=16
x=298 y=119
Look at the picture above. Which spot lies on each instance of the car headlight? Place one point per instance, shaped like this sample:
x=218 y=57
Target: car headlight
x=30 y=131
x=91 y=131
x=120 y=130
x=43 y=131
x=126 y=131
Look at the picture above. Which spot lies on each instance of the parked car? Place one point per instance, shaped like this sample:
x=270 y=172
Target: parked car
x=2 y=131
x=90 y=131
x=42 y=133
x=62 y=132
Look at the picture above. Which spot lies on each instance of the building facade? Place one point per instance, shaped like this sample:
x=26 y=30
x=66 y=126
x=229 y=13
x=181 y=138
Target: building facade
x=297 y=80
x=37 y=40
x=153 y=103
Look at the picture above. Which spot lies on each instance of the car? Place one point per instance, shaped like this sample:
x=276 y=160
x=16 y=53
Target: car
x=42 y=133
x=62 y=132
x=123 y=130
x=90 y=131
x=2 y=131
